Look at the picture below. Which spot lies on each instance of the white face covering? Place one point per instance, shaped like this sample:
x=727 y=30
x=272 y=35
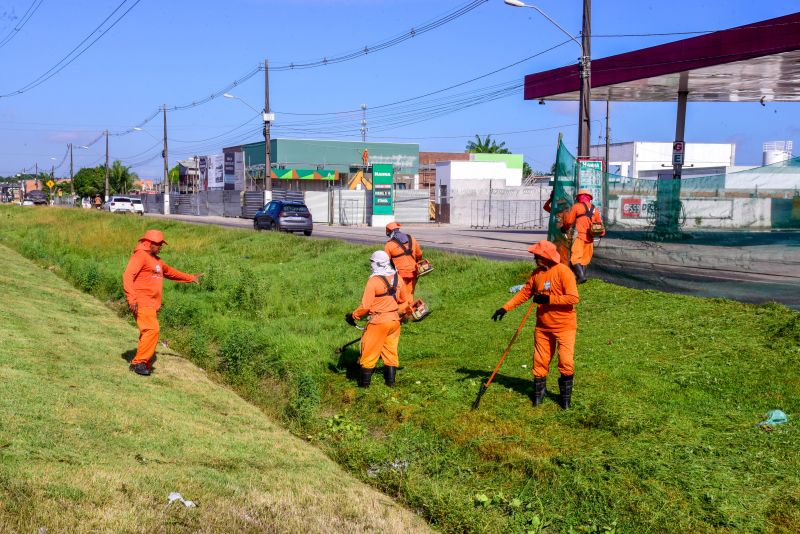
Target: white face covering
x=381 y=264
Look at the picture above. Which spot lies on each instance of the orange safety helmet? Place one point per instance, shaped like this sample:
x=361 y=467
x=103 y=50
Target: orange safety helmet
x=392 y=226
x=584 y=192
x=154 y=236
x=546 y=250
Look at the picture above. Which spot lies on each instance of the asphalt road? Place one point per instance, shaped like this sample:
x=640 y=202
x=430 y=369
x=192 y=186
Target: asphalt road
x=753 y=267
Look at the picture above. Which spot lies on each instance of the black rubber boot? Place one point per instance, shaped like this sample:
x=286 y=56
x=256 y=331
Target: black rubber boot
x=580 y=273
x=389 y=373
x=539 y=389
x=140 y=369
x=365 y=377
x=565 y=389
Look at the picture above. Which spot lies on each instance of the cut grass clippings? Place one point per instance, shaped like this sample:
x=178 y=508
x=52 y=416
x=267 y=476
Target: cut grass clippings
x=87 y=446
x=668 y=388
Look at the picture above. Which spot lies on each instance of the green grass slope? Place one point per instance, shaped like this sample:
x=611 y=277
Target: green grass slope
x=668 y=388
x=87 y=446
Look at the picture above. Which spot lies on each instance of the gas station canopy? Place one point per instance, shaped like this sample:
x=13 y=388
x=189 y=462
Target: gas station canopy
x=758 y=62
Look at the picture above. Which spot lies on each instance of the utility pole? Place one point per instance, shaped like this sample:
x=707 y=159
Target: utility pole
x=363 y=123
x=71 y=175
x=585 y=69
x=267 y=119
x=165 y=155
x=106 y=165
x=53 y=179
x=36 y=165
x=608 y=150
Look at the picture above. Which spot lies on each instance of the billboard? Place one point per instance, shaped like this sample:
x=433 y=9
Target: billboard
x=214 y=172
x=382 y=189
x=229 y=168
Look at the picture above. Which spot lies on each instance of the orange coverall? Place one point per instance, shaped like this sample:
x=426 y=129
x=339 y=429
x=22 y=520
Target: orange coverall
x=143 y=281
x=555 y=322
x=583 y=242
x=405 y=258
x=382 y=335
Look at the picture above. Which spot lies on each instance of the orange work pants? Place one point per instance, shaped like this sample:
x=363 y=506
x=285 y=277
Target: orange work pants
x=544 y=343
x=147 y=321
x=581 y=252
x=380 y=341
x=410 y=280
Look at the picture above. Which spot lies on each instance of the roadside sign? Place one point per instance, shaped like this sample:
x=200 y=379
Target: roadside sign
x=50 y=184
x=677 y=152
x=60 y=193
x=590 y=176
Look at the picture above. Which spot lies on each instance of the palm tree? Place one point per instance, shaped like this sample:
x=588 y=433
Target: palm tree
x=486 y=146
x=120 y=178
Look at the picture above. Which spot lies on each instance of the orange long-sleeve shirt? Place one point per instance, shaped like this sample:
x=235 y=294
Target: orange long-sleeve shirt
x=383 y=309
x=575 y=218
x=143 y=279
x=558 y=282
x=404 y=262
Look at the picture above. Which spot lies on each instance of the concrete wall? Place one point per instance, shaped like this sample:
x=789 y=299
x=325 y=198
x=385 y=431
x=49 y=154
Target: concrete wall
x=723 y=213
x=474 y=203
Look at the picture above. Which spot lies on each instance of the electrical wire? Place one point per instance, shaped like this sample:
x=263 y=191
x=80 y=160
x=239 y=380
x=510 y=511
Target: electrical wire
x=23 y=21
x=69 y=58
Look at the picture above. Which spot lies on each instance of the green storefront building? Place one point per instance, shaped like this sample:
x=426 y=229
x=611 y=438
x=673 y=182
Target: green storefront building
x=313 y=165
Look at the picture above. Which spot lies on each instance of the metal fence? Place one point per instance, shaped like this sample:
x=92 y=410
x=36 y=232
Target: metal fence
x=412 y=206
x=523 y=214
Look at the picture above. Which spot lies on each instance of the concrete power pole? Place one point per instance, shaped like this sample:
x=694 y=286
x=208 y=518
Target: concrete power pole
x=584 y=119
x=165 y=155
x=267 y=119
x=71 y=175
x=106 y=165
x=608 y=150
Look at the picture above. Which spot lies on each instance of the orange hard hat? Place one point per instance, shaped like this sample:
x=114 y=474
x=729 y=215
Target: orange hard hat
x=154 y=236
x=545 y=249
x=584 y=192
x=392 y=226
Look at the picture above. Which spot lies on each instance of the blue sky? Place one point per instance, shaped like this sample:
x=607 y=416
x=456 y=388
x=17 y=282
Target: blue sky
x=178 y=51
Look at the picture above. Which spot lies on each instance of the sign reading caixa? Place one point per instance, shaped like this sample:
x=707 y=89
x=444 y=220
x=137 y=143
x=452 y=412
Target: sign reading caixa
x=382 y=189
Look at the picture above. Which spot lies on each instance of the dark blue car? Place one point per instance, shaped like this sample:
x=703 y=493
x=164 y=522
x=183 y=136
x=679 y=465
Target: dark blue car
x=284 y=215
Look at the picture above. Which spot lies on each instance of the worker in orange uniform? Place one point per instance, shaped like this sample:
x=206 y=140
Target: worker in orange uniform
x=143 y=281
x=583 y=217
x=552 y=286
x=384 y=300
x=561 y=241
x=405 y=254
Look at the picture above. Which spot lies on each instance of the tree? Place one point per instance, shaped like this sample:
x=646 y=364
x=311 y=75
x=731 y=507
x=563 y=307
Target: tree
x=486 y=146
x=120 y=178
x=90 y=181
x=526 y=170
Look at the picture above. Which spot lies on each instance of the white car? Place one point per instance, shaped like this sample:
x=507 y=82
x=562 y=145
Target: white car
x=138 y=207
x=118 y=205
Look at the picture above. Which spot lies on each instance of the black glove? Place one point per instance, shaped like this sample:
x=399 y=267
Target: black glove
x=350 y=319
x=541 y=298
x=498 y=315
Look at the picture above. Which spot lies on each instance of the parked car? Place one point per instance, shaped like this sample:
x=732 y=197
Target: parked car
x=118 y=205
x=284 y=215
x=138 y=207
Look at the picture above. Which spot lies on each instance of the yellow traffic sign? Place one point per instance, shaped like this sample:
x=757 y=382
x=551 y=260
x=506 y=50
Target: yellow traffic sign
x=50 y=184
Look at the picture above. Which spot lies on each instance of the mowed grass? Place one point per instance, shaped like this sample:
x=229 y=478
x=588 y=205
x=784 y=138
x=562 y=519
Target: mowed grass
x=87 y=446
x=668 y=388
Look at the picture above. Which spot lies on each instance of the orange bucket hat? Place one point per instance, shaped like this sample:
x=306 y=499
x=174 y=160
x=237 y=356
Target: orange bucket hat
x=392 y=226
x=584 y=192
x=154 y=236
x=545 y=249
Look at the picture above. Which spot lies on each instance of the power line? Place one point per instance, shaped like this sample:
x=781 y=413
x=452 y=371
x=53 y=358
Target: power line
x=23 y=21
x=60 y=65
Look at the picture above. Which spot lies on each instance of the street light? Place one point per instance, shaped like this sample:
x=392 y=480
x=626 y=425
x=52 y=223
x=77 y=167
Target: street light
x=584 y=68
x=267 y=117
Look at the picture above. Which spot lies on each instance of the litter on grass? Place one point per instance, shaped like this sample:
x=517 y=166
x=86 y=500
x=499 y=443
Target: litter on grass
x=175 y=496
x=774 y=418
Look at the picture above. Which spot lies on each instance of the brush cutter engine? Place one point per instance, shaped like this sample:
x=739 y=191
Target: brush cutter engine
x=424 y=267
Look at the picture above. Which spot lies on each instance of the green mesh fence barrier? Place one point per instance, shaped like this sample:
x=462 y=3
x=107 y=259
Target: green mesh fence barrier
x=759 y=198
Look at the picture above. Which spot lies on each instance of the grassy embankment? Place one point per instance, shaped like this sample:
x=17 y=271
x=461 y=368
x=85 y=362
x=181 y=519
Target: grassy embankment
x=668 y=388
x=86 y=446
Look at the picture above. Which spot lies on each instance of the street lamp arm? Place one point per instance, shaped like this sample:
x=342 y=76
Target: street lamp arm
x=516 y=3
x=228 y=95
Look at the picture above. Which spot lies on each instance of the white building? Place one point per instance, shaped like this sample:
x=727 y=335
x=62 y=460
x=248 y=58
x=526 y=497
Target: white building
x=635 y=157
